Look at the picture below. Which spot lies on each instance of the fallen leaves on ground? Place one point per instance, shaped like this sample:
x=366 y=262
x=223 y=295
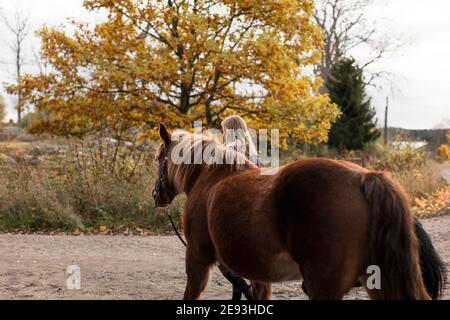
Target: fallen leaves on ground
x=433 y=205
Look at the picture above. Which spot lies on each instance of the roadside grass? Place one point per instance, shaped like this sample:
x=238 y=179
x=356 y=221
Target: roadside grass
x=93 y=187
x=33 y=200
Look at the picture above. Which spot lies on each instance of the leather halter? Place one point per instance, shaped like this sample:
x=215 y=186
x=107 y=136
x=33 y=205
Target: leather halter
x=161 y=184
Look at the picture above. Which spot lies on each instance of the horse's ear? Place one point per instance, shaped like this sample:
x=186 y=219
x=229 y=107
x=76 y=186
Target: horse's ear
x=165 y=134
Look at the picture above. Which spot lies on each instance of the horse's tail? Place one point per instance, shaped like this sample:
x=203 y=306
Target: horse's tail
x=433 y=268
x=393 y=244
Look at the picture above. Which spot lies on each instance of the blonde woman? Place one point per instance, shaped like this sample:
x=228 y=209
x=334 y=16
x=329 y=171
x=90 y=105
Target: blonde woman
x=236 y=135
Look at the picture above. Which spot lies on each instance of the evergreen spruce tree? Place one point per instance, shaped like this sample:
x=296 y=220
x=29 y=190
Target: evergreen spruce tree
x=357 y=125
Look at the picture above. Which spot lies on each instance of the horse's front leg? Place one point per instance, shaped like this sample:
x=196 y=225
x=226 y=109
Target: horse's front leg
x=198 y=270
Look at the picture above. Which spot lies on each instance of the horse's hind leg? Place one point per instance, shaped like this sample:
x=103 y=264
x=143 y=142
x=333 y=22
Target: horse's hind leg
x=262 y=291
x=374 y=294
x=320 y=285
x=328 y=273
x=198 y=271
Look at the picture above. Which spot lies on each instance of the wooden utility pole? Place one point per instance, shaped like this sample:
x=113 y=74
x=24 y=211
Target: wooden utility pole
x=386 y=122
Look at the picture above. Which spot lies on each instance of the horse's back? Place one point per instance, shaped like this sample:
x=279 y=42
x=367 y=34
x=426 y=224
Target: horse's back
x=313 y=185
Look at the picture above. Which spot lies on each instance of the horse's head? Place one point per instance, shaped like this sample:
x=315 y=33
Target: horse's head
x=178 y=163
x=164 y=191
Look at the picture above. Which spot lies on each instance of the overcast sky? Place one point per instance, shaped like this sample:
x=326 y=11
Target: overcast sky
x=421 y=98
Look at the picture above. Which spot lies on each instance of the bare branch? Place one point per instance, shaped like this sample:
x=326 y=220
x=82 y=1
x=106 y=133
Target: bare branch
x=19 y=28
x=345 y=28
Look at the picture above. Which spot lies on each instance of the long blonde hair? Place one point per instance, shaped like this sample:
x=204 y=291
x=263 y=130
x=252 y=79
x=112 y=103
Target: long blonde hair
x=236 y=134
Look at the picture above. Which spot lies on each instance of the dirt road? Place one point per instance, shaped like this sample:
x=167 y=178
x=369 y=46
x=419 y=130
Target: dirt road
x=445 y=171
x=33 y=267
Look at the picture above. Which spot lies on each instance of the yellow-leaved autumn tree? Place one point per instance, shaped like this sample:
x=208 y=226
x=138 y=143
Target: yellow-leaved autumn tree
x=177 y=61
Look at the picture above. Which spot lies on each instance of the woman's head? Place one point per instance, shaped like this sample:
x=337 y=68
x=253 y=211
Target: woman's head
x=236 y=134
x=234 y=123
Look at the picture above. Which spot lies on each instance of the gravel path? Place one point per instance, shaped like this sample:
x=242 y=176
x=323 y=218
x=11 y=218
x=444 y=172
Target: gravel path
x=114 y=267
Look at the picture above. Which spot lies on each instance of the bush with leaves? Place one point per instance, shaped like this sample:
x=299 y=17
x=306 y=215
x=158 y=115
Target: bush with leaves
x=403 y=159
x=411 y=167
x=443 y=153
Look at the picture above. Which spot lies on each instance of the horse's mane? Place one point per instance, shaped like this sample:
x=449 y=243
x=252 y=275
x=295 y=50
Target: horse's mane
x=205 y=144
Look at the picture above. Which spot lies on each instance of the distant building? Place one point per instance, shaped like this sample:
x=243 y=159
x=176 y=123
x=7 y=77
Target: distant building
x=409 y=144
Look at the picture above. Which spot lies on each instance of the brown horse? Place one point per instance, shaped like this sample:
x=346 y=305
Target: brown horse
x=319 y=220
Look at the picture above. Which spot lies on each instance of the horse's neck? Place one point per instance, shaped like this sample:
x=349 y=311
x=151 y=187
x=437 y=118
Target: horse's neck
x=207 y=177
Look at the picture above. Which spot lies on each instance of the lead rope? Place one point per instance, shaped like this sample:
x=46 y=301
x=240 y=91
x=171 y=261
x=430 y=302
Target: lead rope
x=175 y=229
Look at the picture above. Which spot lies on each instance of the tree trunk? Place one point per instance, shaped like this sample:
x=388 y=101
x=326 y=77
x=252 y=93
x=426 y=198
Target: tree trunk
x=184 y=100
x=19 y=77
x=19 y=109
x=209 y=120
